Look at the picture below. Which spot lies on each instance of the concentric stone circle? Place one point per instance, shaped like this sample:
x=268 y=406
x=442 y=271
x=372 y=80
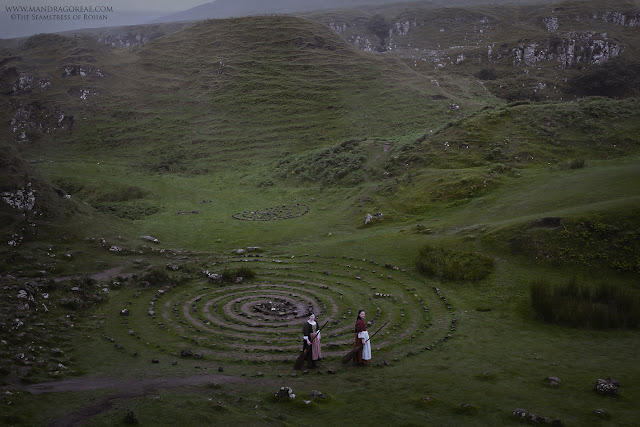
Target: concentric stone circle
x=261 y=319
x=279 y=212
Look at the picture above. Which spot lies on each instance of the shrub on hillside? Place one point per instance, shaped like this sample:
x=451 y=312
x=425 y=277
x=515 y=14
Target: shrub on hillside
x=158 y=277
x=576 y=164
x=465 y=188
x=616 y=78
x=603 y=306
x=453 y=265
x=487 y=74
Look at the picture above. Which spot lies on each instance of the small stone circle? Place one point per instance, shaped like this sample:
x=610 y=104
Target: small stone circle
x=286 y=211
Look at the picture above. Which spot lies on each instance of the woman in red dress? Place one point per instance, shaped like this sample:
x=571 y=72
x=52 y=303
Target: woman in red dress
x=363 y=356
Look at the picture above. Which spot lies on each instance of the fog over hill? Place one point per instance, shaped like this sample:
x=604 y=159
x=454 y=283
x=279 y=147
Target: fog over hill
x=20 y=20
x=237 y=8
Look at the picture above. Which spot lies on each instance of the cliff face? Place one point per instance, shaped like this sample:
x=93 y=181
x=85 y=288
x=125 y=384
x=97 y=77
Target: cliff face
x=566 y=39
x=570 y=51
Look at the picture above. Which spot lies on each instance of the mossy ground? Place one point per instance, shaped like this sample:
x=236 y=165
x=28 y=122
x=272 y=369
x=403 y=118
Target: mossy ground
x=187 y=128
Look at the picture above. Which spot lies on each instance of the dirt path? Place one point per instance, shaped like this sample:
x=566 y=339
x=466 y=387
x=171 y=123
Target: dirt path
x=101 y=383
x=109 y=274
x=127 y=389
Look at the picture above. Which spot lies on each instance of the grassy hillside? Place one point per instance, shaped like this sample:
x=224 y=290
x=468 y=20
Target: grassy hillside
x=203 y=191
x=199 y=96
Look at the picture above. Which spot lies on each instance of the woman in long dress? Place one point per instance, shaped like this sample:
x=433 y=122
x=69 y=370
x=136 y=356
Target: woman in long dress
x=362 y=338
x=311 y=340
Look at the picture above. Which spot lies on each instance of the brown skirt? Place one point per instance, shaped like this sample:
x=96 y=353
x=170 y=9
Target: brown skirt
x=357 y=358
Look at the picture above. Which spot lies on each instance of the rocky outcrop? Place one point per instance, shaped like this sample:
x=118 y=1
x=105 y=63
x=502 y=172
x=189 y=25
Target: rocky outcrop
x=24 y=199
x=22 y=84
x=127 y=40
x=576 y=49
x=35 y=117
x=620 y=18
x=82 y=71
x=83 y=94
x=570 y=49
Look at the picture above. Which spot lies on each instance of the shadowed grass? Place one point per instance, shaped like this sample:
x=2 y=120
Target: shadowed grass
x=605 y=306
x=453 y=265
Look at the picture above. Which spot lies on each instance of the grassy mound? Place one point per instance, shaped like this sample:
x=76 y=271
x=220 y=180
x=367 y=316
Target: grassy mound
x=453 y=265
x=596 y=242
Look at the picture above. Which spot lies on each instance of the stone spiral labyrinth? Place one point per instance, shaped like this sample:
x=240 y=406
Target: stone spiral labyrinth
x=274 y=213
x=261 y=319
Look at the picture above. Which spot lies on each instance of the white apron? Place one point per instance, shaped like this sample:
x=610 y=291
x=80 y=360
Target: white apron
x=366 y=348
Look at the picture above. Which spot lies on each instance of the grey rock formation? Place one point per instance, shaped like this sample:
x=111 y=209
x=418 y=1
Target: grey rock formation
x=285 y=393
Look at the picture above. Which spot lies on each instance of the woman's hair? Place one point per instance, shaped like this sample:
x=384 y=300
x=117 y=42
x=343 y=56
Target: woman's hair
x=359 y=311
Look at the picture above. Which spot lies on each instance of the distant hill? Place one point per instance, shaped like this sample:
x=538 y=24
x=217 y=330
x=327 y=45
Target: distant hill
x=238 y=8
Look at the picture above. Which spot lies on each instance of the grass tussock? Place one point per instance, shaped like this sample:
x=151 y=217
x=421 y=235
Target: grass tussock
x=232 y=275
x=604 y=306
x=453 y=265
x=159 y=277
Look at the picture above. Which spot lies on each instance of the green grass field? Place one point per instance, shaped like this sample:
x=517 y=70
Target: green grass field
x=281 y=122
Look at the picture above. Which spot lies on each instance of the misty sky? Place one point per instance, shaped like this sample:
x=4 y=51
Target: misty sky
x=124 y=12
x=135 y=5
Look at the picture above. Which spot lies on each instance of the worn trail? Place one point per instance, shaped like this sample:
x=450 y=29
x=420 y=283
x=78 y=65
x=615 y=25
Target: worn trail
x=128 y=389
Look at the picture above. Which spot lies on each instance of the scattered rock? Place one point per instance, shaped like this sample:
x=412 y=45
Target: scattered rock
x=520 y=413
x=553 y=382
x=608 y=387
x=285 y=393
x=186 y=353
x=214 y=277
x=315 y=394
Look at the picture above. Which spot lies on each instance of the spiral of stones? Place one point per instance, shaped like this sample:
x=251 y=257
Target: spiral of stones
x=261 y=319
x=280 y=212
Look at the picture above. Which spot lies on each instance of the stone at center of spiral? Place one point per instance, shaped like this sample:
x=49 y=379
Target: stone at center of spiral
x=271 y=308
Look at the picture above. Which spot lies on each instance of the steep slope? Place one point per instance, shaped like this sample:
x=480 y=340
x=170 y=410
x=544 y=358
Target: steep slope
x=221 y=89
